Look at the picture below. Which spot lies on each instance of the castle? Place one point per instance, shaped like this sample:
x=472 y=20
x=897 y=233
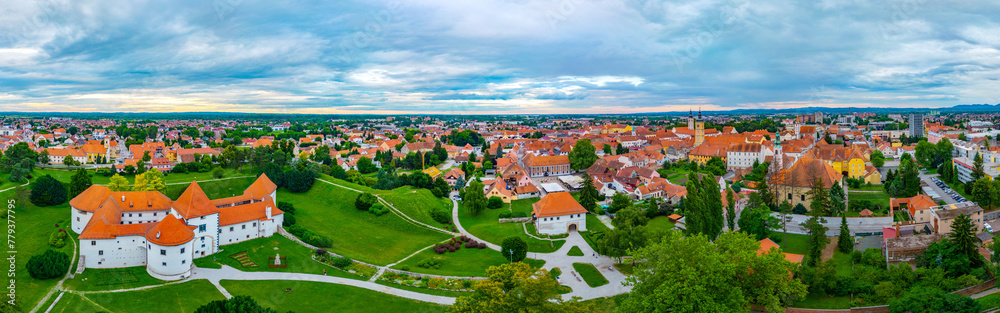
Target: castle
x=145 y=228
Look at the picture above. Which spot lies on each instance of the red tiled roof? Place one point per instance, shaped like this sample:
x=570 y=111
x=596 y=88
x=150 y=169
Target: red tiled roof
x=170 y=231
x=557 y=204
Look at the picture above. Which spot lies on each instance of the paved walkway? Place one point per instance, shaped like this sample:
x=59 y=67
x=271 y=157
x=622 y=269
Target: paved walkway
x=229 y=273
x=569 y=277
x=458 y=225
x=856 y=224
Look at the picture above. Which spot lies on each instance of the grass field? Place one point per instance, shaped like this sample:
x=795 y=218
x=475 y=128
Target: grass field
x=74 y=303
x=417 y=204
x=466 y=262
x=436 y=292
x=64 y=175
x=486 y=226
x=661 y=223
x=879 y=198
x=214 y=189
x=813 y=301
x=794 y=243
x=360 y=235
x=575 y=251
x=33 y=226
x=175 y=298
x=322 y=297
x=111 y=278
x=297 y=257
x=989 y=302
x=590 y=274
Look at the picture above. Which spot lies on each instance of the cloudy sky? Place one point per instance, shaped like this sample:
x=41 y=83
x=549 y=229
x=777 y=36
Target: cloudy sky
x=485 y=56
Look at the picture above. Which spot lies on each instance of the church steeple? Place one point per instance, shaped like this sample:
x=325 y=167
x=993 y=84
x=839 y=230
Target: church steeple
x=699 y=113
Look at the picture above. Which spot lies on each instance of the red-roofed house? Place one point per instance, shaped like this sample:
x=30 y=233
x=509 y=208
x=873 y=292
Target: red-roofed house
x=558 y=213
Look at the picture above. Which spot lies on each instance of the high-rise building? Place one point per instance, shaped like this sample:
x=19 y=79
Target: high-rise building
x=916 y=125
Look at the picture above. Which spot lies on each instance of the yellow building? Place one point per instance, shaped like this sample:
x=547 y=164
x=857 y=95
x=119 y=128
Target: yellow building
x=617 y=128
x=699 y=132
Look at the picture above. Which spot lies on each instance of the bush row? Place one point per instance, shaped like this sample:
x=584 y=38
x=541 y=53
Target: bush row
x=310 y=237
x=513 y=215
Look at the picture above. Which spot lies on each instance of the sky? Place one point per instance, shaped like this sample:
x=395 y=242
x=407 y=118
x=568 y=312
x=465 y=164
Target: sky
x=494 y=57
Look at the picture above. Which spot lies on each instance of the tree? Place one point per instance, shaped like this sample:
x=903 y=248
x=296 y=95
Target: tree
x=47 y=191
x=79 y=182
x=704 y=206
x=589 y=194
x=680 y=274
x=845 y=242
x=927 y=299
x=925 y=152
x=583 y=155
x=836 y=199
x=514 y=249
x=730 y=209
x=474 y=198
x=494 y=203
x=963 y=238
x=44 y=157
x=118 y=183
x=978 y=171
x=619 y=202
x=817 y=236
x=517 y=287
x=149 y=181
x=819 y=198
x=365 y=166
x=21 y=196
x=50 y=264
x=878 y=159
x=236 y=304
x=621 y=149
x=365 y=201
x=217 y=172
x=607 y=149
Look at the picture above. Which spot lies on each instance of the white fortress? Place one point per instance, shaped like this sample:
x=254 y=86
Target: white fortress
x=132 y=228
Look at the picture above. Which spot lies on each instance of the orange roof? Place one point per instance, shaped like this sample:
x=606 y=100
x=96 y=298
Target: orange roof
x=194 y=203
x=766 y=245
x=170 y=231
x=557 y=204
x=260 y=187
x=247 y=212
x=96 y=197
x=547 y=160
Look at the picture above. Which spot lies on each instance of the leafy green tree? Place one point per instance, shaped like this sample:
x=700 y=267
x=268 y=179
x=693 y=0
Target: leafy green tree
x=730 y=210
x=619 y=202
x=680 y=272
x=365 y=201
x=925 y=152
x=46 y=191
x=704 y=206
x=237 y=304
x=517 y=287
x=928 y=299
x=365 y=165
x=977 y=164
x=49 y=264
x=79 y=182
x=473 y=197
x=514 y=249
x=607 y=149
x=118 y=183
x=819 y=198
x=494 y=203
x=583 y=155
x=878 y=159
x=817 y=236
x=845 y=242
x=149 y=181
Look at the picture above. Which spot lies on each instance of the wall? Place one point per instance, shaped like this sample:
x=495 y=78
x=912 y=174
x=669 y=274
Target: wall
x=178 y=264
x=124 y=251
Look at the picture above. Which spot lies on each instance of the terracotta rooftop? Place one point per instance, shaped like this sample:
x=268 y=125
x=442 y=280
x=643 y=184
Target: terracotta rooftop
x=170 y=231
x=557 y=204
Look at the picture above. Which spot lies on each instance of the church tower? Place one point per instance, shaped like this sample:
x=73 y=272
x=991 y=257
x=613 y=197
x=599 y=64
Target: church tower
x=779 y=157
x=690 y=119
x=699 y=130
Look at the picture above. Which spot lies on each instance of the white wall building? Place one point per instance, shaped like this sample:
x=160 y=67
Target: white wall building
x=558 y=213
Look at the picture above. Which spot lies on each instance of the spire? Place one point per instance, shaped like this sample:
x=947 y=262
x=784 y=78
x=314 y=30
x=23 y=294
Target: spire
x=699 y=113
x=690 y=113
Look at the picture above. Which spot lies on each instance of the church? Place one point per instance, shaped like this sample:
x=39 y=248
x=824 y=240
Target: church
x=145 y=228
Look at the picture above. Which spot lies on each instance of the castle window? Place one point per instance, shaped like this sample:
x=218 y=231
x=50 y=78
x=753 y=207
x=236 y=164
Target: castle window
x=140 y=214
x=230 y=229
x=244 y=226
x=130 y=215
x=163 y=252
x=164 y=263
x=182 y=250
x=184 y=261
x=100 y=252
x=93 y=242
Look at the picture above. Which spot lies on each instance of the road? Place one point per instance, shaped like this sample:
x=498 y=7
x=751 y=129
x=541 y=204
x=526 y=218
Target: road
x=856 y=224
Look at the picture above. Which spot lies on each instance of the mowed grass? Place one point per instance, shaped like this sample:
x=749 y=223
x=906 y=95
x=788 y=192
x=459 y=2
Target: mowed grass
x=590 y=274
x=74 y=303
x=813 y=301
x=465 y=262
x=298 y=258
x=487 y=227
x=101 y=279
x=879 y=198
x=329 y=210
x=659 y=223
x=575 y=251
x=32 y=228
x=213 y=189
x=418 y=204
x=794 y=243
x=64 y=175
x=174 y=298
x=309 y=296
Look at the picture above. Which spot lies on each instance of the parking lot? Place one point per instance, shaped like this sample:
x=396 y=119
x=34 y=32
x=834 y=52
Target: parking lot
x=949 y=194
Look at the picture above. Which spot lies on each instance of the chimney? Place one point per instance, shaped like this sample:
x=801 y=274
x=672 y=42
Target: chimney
x=267 y=211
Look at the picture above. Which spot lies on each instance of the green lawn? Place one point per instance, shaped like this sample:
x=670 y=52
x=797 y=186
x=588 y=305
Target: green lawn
x=33 y=226
x=436 y=292
x=74 y=303
x=297 y=257
x=989 y=302
x=575 y=251
x=64 y=175
x=794 y=243
x=486 y=226
x=465 y=262
x=823 y=302
x=661 y=223
x=868 y=188
x=322 y=297
x=111 y=278
x=590 y=274
x=353 y=185
x=214 y=189
x=417 y=204
x=879 y=198
x=360 y=235
x=179 y=298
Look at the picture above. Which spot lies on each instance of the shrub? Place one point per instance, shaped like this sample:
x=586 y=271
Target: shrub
x=799 y=209
x=49 y=264
x=288 y=220
x=57 y=239
x=48 y=191
x=341 y=262
x=318 y=240
x=297 y=231
x=365 y=201
x=404 y=268
x=519 y=214
x=439 y=250
x=441 y=215
x=320 y=252
x=378 y=209
x=494 y=203
x=430 y=263
x=504 y=215
x=286 y=207
x=482 y=245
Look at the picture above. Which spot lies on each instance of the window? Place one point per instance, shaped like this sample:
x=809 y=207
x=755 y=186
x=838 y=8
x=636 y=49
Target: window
x=230 y=229
x=77 y=219
x=244 y=226
x=140 y=214
x=154 y=213
x=254 y=224
x=130 y=215
x=202 y=245
x=100 y=252
x=182 y=250
x=789 y=196
x=184 y=261
x=202 y=228
x=164 y=263
x=202 y=217
x=803 y=197
x=93 y=242
x=163 y=252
